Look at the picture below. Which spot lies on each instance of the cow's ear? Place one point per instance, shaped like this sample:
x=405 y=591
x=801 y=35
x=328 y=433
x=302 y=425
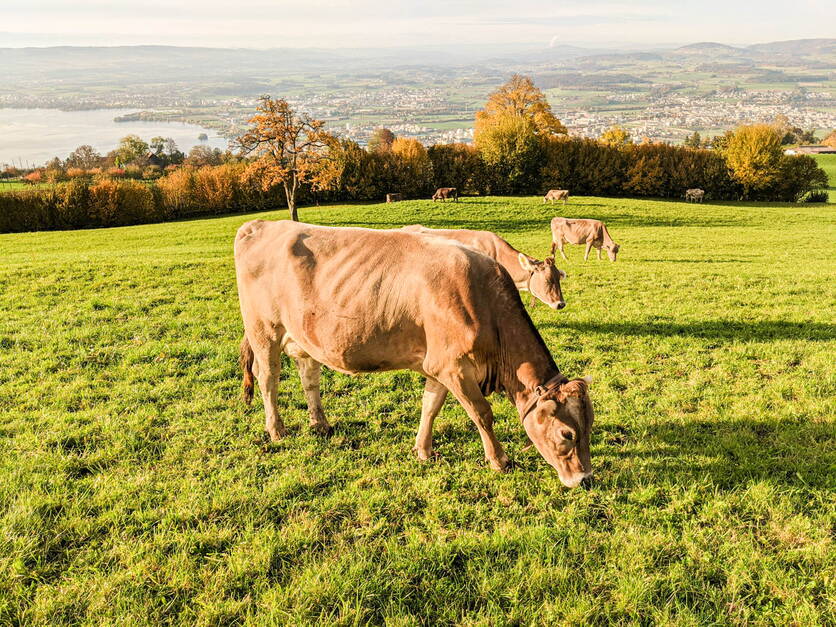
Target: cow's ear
x=525 y=263
x=563 y=275
x=549 y=261
x=588 y=380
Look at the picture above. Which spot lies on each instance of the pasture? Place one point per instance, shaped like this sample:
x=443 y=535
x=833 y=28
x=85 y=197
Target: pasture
x=136 y=488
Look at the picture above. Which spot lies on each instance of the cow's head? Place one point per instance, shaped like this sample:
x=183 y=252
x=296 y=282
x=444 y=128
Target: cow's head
x=544 y=282
x=559 y=425
x=612 y=251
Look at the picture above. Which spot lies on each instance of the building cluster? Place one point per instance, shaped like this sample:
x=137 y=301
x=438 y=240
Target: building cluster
x=673 y=116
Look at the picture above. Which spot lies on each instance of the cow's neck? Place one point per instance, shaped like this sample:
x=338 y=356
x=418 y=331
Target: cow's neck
x=527 y=362
x=509 y=258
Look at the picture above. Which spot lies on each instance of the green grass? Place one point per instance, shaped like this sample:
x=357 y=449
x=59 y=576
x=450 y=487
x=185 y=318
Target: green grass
x=135 y=488
x=828 y=164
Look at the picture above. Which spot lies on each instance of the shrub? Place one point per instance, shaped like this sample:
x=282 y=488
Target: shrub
x=819 y=195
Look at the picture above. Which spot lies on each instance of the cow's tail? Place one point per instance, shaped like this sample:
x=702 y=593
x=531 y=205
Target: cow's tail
x=245 y=359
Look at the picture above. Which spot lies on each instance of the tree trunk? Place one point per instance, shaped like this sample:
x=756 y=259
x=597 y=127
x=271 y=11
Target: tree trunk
x=290 y=194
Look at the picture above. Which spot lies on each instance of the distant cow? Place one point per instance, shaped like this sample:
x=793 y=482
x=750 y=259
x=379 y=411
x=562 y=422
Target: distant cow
x=393 y=197
x=583 y=231
x=443 y=193
x=366 y=300
x=694 y=195
x=556 y=194
x=540 y=278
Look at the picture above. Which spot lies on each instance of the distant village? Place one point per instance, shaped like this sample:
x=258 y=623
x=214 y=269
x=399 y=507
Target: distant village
x=431 y=116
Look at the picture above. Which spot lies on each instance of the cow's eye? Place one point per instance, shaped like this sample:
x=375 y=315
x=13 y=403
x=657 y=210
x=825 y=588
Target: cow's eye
x=568 y=435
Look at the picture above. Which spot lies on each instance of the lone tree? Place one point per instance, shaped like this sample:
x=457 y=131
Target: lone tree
x=290 y=147
x=519 y=97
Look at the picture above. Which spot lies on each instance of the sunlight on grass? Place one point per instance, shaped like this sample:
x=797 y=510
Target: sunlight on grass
x=137 y=489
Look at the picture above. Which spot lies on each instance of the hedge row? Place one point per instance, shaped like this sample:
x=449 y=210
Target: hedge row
x=583 y=166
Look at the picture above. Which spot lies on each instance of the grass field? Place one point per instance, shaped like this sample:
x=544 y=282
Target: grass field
x=135 y=488
x=828 y=164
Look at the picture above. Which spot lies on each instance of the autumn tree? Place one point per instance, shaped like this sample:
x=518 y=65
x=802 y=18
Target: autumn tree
x=830 y=140
x=381 y=139
x=519 y=97
x=289 y=146
x=754 y=156
x=84 y=157
x=616 y=136
x=131 y=149
x=414 y=169
x=511 y=150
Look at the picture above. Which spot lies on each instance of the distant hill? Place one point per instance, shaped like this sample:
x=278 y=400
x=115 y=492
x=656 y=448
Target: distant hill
x=797 y=47
x=706 y=47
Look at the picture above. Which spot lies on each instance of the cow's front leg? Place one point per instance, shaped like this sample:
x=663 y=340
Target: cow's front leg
x=434 y=395
x=310 y=371
x=467 y=392
x=560 y=248
x=599 y=254
x=588 y=248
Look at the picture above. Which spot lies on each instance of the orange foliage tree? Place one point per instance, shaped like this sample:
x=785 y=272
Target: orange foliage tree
x=519 y=97
x=291 y=147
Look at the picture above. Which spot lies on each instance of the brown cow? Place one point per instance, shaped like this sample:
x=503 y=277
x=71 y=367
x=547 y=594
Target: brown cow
x=443 y=193
x=362 y=300
x=556 y=194
x=540 y=278
x=583 y=231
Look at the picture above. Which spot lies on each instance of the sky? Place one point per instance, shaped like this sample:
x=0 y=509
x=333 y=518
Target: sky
x=380 y=23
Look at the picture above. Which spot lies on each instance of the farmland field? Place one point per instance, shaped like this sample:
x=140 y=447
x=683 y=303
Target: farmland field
x=135 y=488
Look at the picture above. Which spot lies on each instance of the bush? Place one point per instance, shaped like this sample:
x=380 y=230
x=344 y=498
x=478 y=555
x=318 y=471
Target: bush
x=819 y=195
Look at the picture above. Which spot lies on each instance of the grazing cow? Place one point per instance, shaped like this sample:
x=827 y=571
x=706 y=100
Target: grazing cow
x=556 y=194
x=363 y=300
x=393 y=197
x=443 y=193
x=695 y=195
x=540 y=278
x=583 y=231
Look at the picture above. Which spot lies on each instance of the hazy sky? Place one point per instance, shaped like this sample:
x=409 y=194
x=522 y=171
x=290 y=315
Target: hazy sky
x=373 y=23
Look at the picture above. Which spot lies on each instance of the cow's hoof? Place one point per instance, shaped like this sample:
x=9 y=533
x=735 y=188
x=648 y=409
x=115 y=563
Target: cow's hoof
x=425 y=455
x=276 y=435
x=500 y=465
x=322 y=428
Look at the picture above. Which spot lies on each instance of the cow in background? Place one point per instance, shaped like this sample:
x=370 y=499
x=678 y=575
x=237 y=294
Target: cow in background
x=694 y=195
x=555 y=195
x=583 y=231
x=443 y=193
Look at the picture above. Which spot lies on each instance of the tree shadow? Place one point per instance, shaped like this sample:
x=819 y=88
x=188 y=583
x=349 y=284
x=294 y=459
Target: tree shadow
x=718 y=330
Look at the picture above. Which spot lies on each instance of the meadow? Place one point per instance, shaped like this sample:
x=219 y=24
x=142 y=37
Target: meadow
x=828 y=164
x=137 y=489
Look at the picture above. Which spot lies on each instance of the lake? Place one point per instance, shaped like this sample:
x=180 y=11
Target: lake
x=34 y=136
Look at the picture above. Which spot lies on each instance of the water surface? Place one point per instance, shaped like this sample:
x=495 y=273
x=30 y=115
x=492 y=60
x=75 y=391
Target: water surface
x=33 y=136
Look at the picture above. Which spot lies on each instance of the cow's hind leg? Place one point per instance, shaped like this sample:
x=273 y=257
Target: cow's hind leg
x=467 y=392
x=434 y=395
x=266 y=368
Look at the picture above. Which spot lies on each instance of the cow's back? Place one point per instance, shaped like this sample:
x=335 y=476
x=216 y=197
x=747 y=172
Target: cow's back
x=576 y=231
x=363 y=299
